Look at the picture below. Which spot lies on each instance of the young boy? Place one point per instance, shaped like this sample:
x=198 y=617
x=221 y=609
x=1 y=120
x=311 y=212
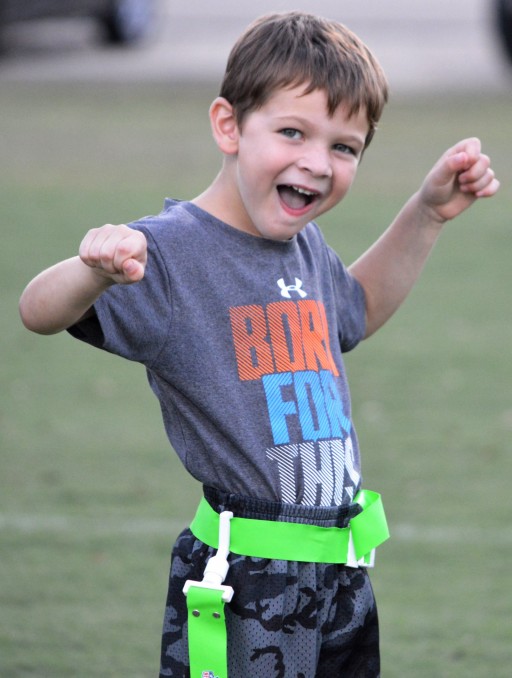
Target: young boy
x=240 y=313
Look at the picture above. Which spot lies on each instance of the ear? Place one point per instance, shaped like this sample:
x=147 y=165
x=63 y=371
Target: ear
x=224 y=126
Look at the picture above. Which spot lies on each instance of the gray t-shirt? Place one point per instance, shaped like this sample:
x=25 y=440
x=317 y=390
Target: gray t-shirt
x=242 y=339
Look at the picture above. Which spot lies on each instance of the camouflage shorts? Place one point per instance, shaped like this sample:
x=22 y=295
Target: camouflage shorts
x=286 y=619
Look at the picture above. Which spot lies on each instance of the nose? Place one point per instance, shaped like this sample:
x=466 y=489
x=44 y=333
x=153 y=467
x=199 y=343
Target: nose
x=316 y=160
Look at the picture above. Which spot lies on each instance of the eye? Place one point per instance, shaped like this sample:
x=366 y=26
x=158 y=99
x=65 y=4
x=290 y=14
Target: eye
x=291 y=133
x=343 y=148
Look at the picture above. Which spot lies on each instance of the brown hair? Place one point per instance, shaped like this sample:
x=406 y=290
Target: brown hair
x=293 y=48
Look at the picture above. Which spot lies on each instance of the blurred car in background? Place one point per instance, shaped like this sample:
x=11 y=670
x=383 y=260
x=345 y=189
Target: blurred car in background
x=123 y=21
x=504 y=24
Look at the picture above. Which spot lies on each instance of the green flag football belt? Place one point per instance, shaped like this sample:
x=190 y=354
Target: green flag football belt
x=353 y=546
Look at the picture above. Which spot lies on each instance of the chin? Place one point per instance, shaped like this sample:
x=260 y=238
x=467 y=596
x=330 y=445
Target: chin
x=278 y=233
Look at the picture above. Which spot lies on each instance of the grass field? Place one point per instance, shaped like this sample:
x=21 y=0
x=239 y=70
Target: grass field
x=91 y=497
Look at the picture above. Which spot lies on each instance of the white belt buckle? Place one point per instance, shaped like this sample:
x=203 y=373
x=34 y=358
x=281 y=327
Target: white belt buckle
x=352 y=561
x=217 y=567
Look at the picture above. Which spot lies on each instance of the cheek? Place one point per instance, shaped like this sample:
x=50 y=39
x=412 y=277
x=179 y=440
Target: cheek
x=268 y=158
x=252 y=167
x=345 y=179
x=257 y=175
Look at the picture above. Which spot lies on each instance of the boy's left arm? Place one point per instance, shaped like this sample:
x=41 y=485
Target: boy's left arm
x=389 y=269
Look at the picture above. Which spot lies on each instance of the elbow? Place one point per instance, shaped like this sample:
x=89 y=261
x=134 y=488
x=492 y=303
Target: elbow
x=25 y=314
x=27 y=319
x=32 y=320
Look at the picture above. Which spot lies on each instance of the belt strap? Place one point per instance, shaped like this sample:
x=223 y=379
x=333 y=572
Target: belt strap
x=207 y=638
x=296 y=541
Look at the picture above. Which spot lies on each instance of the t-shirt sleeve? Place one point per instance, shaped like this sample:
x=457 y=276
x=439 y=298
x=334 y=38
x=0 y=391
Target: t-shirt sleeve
x=132 y=321
x=350 y=304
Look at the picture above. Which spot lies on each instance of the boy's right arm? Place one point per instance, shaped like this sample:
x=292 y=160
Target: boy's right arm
x=65 y=293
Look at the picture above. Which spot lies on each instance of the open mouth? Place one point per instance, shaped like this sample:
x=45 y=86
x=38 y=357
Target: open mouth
x=295 y=197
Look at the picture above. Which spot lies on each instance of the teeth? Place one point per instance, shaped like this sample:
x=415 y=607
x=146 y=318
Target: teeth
x=302 y=190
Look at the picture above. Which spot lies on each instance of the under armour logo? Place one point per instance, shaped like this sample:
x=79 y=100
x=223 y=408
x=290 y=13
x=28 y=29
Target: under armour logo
x=286 y=289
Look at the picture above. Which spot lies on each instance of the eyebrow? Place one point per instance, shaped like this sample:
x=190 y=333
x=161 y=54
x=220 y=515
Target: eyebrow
x=353 y=139
x=293 y=116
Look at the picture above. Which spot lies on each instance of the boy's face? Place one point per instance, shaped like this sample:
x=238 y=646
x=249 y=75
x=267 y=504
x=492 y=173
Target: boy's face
x=293 y=163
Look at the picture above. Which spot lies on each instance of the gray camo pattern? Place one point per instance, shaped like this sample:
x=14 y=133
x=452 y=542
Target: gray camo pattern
x=286 y=619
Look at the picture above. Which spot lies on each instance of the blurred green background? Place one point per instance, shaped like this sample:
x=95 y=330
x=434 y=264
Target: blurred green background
x=91 y=496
